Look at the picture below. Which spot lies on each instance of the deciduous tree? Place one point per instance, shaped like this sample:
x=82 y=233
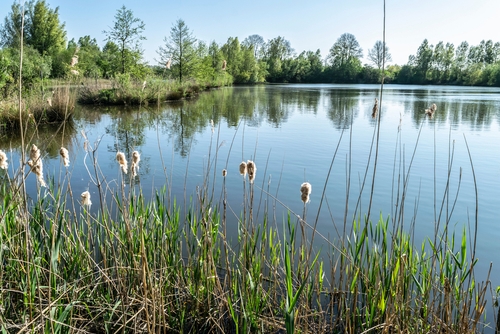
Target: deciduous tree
x=180 y=49
x=376 y=54
x=126 y=33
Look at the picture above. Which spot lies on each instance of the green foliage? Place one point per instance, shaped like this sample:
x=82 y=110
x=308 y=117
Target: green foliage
x=126 y=33
x=180 y=51
x=44 y=32
x=35 y=68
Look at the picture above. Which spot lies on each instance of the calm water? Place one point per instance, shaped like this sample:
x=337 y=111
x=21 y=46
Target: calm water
x=293 y=132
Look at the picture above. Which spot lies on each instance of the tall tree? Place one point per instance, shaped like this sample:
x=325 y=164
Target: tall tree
x=44 y=32
x=10 y=31
x=276 y=51
x=256 y=42
x=345 y=59
x=376 y=54
x=126 y=33
x=423 y=61
x=345 y=49
x=180 y=49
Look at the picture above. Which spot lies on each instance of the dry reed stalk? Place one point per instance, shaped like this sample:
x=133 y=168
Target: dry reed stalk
x=65 y=156
x=3 y=160
x=120 y=157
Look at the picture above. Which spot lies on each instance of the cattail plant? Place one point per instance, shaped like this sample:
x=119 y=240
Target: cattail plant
x=85 y=199
x=375 y=109
x=74 y=60
x=243 y=168
x=120 y=157
x=430 y=111
x=251 y=169
x=3 y=160
x=65 y=156
x=36 y=165
x=136 y=158
x=305 y=190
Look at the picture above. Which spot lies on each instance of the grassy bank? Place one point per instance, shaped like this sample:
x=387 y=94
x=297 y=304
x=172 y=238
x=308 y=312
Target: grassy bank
x=40 y=107
x=114 y=261
x=122 y=90
x=53 y=102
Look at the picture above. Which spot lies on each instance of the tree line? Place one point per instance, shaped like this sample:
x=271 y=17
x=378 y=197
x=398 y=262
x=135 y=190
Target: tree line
x=48 y=54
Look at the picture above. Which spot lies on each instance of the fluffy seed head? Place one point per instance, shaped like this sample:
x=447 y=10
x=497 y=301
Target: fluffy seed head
x=120 y=157
x=65 y=156
x=136 y=157
x=85 y=199
x=306 y=190
x=34 y=153
x=243 y=168
x=3 y=160
x=74 y=60
x=252 y=169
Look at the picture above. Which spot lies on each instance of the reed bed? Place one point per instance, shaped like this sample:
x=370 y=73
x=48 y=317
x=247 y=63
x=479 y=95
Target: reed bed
x=123 y=90
x=52 y=106
x=110 y=260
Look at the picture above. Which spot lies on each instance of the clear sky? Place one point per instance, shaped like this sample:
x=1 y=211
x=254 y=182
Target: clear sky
x=308 y=25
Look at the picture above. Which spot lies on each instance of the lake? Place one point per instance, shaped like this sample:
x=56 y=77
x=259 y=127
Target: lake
x=427 y=169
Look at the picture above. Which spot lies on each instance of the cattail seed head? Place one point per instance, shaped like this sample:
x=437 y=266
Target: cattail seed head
x=3 y=160
x=243 y=168
x=375 y=108
x=34 y=153
x=85 y=199
x=306 y=190
x=65 y=156
x=74 y=60
x=136 y=157
x=36 y=165
x=251 y=169
x=224 y=173
x=120 y=157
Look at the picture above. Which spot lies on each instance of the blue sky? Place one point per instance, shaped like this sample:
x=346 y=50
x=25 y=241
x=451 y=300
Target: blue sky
x=308 y=25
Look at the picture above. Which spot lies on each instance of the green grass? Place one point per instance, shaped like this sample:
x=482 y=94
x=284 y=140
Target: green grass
x=137 y=265
x=122 y=90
